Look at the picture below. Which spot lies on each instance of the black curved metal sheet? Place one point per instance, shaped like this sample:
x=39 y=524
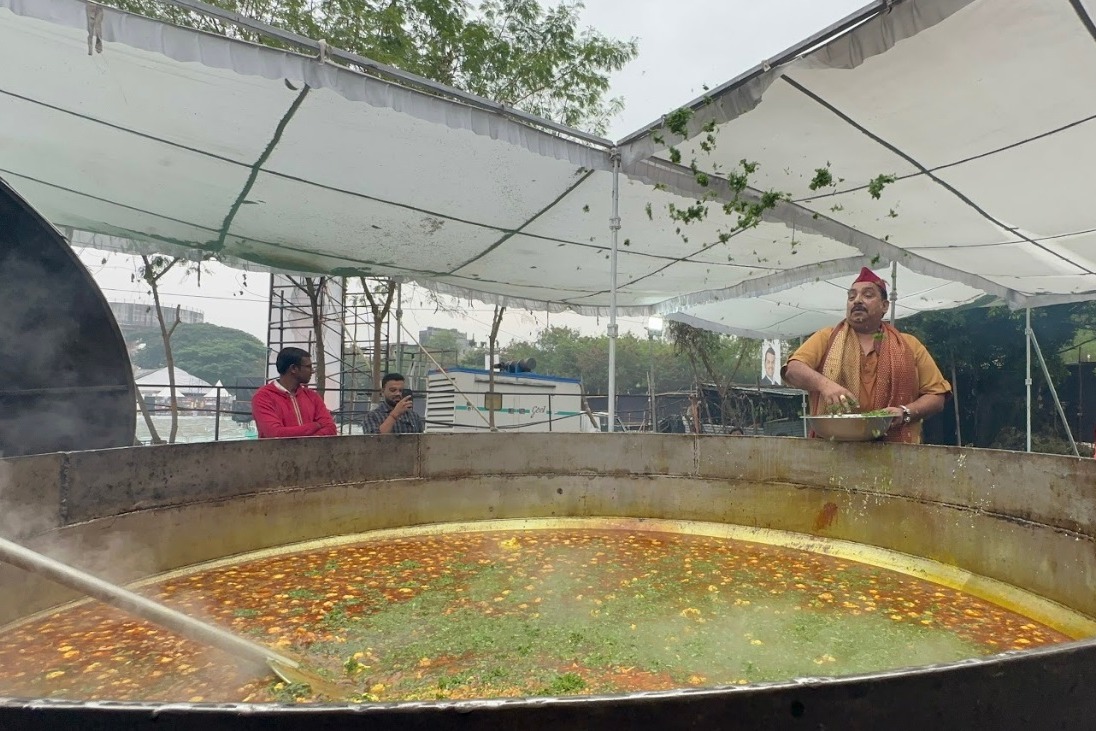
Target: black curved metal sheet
x=68 y=383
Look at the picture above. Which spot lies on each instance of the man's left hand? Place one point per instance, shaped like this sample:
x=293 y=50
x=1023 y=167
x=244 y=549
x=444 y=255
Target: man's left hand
x=897 y=416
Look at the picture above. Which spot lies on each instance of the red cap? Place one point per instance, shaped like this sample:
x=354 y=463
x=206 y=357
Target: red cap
x=867 y=275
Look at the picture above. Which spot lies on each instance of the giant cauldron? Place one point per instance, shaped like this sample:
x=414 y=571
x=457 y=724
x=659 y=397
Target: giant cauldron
x=1028 y=520
x=69 y=384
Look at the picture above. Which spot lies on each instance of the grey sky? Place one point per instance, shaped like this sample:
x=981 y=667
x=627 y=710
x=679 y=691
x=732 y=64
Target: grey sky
x=690 y=43
x=682 y=47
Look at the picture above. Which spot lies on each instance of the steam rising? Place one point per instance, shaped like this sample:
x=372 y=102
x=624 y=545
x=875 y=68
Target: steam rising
x=69 y=383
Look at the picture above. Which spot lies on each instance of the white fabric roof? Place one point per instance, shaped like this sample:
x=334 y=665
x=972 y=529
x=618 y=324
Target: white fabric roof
x=984 y=110
x=153 y=384
x=178 y=140
x=802 y=309
x=218 y=388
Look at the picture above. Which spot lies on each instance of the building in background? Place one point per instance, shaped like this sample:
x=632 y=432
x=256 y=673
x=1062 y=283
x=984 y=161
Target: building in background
x=446 y=340
x=134 y=315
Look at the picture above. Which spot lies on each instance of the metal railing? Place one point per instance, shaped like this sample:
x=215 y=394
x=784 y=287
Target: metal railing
x=221 y=413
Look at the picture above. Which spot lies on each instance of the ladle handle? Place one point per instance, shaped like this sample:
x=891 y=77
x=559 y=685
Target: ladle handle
x=127 y=601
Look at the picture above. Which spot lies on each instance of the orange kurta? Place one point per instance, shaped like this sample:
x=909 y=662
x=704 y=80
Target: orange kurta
x=929 y=378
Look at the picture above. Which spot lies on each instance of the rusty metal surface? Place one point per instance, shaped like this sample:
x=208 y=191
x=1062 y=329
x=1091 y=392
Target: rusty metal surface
x=30 y=494
x=108 y=482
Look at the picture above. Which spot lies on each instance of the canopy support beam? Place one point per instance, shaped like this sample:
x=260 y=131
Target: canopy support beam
x=1033 y=341
x=893 y=291
x=1027 y=373
x=614 y=229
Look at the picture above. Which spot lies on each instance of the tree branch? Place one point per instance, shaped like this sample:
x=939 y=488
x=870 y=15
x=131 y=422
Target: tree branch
x=178 y=319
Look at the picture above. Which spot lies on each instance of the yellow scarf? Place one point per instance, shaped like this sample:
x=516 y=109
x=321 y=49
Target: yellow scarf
x=896 y=380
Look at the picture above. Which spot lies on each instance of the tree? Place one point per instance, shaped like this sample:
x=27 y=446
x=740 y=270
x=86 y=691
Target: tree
x=983 y=351
x=715 y=359
x=492 y=346
x=315 y=288
x=152 y=270
x=562 y=351
x=210 y=352
x=517 y=52
x=447 y=346
x=379 y=297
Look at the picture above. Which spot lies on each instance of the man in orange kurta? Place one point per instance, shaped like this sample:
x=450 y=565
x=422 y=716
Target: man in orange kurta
x=865 y=364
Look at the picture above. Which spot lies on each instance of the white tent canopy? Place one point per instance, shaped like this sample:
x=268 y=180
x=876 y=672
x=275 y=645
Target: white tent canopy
x=984 y=111
x=218 y=390
x=185 y=140
x=802 y=309
x=181 y=141
x=156 y=384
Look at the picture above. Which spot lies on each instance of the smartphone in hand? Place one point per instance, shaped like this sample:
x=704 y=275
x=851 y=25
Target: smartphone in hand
x=406 y=393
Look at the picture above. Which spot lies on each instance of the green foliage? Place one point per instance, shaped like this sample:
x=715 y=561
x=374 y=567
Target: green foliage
x=447 y=346
x=1013 y=438
x=565 y=684
x=713 y=358
x=695 y=212
x=986 y=348
x=290 y=692
x=521 y=53
x=677 y=121
x=876 y=185
x=210 y=352
x=473 y=357
x=822 y=178
x=562 y=351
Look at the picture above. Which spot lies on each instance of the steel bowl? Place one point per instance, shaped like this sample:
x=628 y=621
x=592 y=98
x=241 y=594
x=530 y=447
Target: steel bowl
x=849 y=427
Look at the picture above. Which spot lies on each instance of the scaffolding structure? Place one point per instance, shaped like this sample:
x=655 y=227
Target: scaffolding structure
x=359 y=346
x=336 y=314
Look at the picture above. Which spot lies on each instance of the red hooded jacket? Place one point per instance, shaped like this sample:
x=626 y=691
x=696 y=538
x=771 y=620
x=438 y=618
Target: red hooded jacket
x=281 y=414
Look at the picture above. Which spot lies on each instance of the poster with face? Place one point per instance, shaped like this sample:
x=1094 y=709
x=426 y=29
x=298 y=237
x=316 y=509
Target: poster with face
x=770 y=363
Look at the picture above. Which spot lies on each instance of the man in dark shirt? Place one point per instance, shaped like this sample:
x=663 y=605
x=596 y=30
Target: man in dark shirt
x=395 y=413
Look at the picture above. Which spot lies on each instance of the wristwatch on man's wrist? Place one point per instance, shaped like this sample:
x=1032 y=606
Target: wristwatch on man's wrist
x=907 y=415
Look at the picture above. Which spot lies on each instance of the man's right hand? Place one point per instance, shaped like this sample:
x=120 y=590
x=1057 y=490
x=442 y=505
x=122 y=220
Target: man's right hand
x=836 y=398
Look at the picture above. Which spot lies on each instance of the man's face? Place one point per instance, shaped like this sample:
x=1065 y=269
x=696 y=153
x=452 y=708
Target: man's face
x=392 y=391
x=770 y=364
x=302 y=371
x=866 y=307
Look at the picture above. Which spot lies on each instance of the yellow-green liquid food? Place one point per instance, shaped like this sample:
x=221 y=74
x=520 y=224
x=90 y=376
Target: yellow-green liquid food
x=517 y=613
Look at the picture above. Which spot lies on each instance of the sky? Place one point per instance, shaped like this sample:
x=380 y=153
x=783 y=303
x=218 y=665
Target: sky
x=682 y=47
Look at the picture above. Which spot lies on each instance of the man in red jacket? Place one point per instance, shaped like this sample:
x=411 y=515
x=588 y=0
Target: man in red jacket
x=286 y=407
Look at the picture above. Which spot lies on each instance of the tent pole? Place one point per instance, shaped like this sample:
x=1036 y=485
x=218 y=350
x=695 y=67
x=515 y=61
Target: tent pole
x=614 y=229
x=955 y=403
x=399 y=326
x=1054 y=393
x=1027 y=379
x=894 y=290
